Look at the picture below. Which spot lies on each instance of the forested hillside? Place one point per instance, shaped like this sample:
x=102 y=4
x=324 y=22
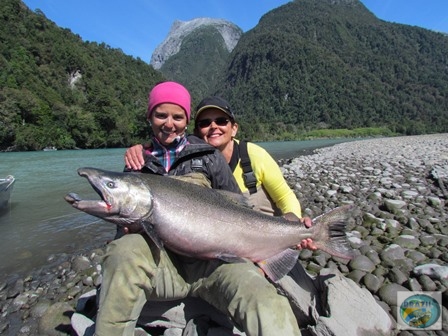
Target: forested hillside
x=309 y=65
x=56 y=90
x=332 y=64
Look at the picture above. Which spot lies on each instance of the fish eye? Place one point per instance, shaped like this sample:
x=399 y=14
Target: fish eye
x=110 y=184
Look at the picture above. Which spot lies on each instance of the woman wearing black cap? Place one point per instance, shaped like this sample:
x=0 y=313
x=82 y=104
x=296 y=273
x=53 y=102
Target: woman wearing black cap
x=269 y=191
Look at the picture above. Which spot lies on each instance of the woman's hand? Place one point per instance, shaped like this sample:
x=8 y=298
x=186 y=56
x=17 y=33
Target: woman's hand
x=308 y=242
x=133 y=157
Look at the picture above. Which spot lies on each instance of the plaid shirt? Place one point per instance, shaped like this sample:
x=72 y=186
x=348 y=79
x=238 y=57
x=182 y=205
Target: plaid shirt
x=167 y=155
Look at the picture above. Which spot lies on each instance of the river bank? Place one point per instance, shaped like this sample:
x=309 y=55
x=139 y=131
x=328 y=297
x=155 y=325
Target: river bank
x=397 y=184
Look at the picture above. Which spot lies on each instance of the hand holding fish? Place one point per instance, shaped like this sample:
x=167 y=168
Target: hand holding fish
x=133 y=228
x=308 y=242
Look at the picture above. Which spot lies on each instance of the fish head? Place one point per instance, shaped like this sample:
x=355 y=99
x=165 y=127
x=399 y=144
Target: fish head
x=125 y=199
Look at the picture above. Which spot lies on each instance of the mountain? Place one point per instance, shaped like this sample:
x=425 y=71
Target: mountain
x=195 y=51
x=229 y=32
x=332 y=64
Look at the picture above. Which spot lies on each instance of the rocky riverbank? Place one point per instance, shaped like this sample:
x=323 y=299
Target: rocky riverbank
x=399 y=186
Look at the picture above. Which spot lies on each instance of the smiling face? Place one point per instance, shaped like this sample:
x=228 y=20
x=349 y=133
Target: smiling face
x=168 y=121
x=216 y=132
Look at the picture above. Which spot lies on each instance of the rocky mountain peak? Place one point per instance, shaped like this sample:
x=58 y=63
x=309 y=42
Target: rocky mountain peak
x=180 y=29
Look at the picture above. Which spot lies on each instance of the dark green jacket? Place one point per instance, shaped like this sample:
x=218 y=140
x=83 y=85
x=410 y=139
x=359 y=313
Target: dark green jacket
x=197 y=156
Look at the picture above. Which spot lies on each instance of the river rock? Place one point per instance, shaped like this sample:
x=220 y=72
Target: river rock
x=407 y=241
x=351 y=320
x=372 y=282
x=56 y=320
x=388 y=293
x=434 y=271
x=362 y=263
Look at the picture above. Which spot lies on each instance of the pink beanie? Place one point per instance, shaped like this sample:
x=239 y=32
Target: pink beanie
x=169 y=92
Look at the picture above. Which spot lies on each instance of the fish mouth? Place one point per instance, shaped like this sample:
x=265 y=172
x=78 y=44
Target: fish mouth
x=104 y=196
x=102 y=207
x=93 y=207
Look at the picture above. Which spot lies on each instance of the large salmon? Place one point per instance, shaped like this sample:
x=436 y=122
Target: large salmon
x=205 y=223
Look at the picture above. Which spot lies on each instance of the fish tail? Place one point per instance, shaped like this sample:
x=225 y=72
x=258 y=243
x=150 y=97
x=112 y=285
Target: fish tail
x=330 y=232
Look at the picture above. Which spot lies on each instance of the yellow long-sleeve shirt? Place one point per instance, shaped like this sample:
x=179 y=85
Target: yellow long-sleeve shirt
x=272 y=190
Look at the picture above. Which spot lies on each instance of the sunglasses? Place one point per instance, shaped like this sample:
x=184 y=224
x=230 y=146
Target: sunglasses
x=221 y=121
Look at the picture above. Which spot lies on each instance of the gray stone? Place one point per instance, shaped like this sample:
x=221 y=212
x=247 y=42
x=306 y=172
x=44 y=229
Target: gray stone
x=81 y=263
x=427 y=283
x=434 y=201
x=416 y=256
x=56 y=319
x=362 y=263
x=434 y=253
x=409 y=194
x=370 y=320
x=380 y=271
x=346 y=189
x=397 y=276
x=370 y=219
x=393 y=205
x=40 y=308
x=413 y=285
x=373 y=256
x=434 y=271
x=331 y=193
x=321 y=259
x=372 y=282
x=15 y=290
x=20 y=301
x=392 y=253
x=82 y=325
x=4 y=326
x=388 y=293
x=356 y=275
x=428 y=239
x=407 y=241
x=392 y=223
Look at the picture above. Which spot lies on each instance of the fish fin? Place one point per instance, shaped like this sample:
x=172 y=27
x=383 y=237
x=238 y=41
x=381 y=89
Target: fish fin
x=278 y=266
x=230 y=258
x=290 y=216
x=235 y=198
x=330 y=230
x=149 y=229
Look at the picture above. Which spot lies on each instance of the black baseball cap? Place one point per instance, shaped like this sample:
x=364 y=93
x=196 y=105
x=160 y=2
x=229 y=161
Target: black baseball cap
x=214 y=102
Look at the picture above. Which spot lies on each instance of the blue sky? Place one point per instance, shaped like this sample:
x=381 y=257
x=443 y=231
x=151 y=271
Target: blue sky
x=137 y=27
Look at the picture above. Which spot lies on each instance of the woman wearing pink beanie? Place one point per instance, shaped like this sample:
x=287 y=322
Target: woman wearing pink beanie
x=169 y=109
x=131 y=274
x=170 y=92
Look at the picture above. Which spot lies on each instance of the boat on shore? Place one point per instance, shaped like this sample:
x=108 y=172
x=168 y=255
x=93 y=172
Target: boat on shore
x=49 y=149
x=6 y=187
